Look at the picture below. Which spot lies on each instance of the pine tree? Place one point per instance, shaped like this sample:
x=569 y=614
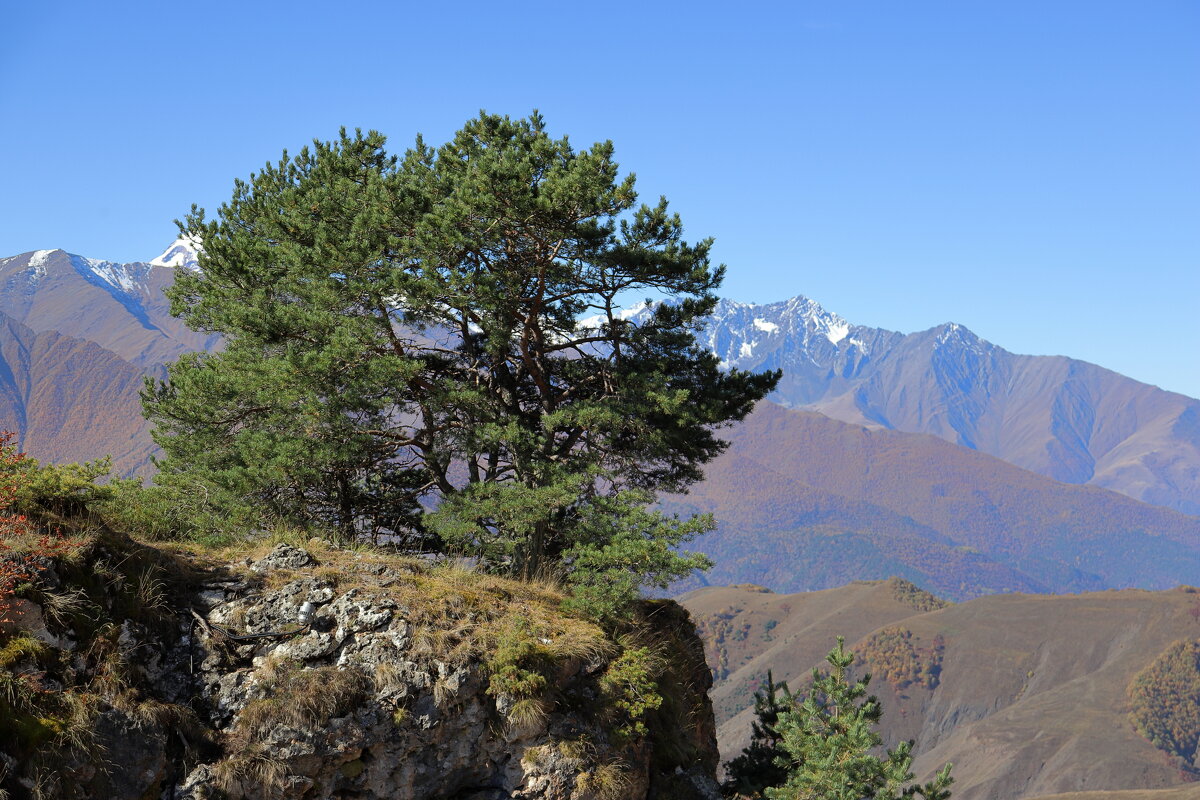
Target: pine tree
x=759 y=765
x=403 y=334
x=830 y=744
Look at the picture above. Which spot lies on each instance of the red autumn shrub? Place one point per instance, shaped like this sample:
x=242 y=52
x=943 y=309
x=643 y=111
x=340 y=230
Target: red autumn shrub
x=19 y=564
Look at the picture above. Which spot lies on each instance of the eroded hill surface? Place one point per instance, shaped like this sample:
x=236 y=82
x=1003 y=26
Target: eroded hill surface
x=1028 y=695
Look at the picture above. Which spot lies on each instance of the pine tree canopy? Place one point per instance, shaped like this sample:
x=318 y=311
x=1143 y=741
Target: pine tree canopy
x=404 y=352
x=830 y=744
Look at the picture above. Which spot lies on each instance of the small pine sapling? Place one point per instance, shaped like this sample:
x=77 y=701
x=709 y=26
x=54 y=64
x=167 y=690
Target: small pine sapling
x=830 y=743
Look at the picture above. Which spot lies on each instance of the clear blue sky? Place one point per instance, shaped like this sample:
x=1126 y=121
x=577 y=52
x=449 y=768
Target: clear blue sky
x=1028 y=169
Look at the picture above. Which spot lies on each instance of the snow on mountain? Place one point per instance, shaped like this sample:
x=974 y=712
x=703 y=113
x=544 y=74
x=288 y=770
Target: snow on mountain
x=958 y=338
x=1066 y=419
x=127 y=278
x=37 y=264
x=182 y=252
x=745 y=335
x=750 y=336
x=636 y=313
x=120 y=307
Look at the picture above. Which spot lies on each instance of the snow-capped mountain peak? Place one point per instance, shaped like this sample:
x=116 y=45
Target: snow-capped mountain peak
x=182 y=252
x=127 y=278
x=636 y=313
x=959 y=338
x=749 y=336
x=741 y=334
x=37 y=264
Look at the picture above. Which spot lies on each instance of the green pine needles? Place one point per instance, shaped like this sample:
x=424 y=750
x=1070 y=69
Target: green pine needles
x=764 y=763
x=404 y=356
x=823 y=745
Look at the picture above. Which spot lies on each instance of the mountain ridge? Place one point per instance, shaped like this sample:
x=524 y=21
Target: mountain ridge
x=1061 y=417
x=1067 y=419
x=945 y=383
x=71 y=400
x=120 y=307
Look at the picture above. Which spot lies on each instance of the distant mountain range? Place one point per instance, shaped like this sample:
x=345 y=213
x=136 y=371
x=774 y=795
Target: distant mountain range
x=120 y=307
x=1065 y=419
x=864 y=497
x=1026 y=694
x=76 y=336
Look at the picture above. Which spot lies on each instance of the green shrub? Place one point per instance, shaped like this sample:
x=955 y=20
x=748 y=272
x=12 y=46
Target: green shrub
x=170 y=510
x=176 y=511
x=630 y=686
x=63 y=489
x=832 y=749
x=520 y=662
x=626 y=546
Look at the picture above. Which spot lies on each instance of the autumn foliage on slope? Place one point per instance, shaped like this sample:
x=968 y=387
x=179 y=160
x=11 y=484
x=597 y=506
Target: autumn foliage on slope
x=22 y=549
x=15 y=569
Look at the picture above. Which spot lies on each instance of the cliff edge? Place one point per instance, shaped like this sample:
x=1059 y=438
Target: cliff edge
x=305 y=670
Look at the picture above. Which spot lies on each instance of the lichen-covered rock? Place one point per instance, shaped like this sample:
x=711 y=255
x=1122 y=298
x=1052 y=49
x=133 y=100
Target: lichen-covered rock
x=284 y=556
x=362 y=705
x=401 y=680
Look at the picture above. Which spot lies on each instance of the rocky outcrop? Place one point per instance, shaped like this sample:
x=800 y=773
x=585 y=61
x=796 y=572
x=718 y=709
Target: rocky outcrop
x=335 y=674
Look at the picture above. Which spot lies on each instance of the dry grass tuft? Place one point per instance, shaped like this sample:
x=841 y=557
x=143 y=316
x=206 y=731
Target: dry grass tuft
x=576 y=750
x=609 y=780
x=300 y=697
x=442 y=691
x=151 y=592
x=253 y=767
x=61 y=606
x=528 y=714
x=77 y=729
x=537 y=756
x=110 y=660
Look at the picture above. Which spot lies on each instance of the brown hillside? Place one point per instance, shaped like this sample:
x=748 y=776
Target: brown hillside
x=807 y=502
x=71 y=400
x=1175 y=793
x=748 y=631
x=1031 y=698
